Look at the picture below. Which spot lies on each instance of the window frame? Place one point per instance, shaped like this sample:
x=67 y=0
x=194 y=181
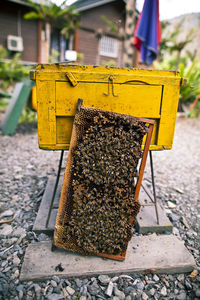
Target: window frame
x=108 y=46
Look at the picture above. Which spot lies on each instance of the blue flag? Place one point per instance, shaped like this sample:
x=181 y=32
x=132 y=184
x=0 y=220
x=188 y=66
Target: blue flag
x=147 y=33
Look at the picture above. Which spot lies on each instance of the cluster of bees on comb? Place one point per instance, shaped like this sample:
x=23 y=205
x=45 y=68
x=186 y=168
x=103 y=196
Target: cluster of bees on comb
x=104 y=172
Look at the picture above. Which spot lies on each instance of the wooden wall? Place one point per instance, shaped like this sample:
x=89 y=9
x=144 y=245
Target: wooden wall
x=91 y=23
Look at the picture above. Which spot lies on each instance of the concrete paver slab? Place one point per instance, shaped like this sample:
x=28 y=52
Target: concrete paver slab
x=147 y=221
x=159 y=254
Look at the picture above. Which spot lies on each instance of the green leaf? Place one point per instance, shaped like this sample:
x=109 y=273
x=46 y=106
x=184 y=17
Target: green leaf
x=32 y=15
x=112 y=26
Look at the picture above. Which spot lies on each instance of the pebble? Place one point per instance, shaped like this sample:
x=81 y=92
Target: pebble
x=119 y=293
x=152 y=291
x=42 y=237
x=114 y=279
x=140 y=285
x=37 y=290
x=7 y=213
x=67 y=282
x=16 y=261
x=156 y=278
x=54 y=297
x=181 y=296
x=104 y=279
x=53 y=283
x=20 y=287
x=64 y=293
x=18 y=232
x=163 y=291
x=21 y=294
x=78 y=282
x=29 y=293
x=15 y=275
x=83 y=298
x=170 y=277
x=83 y=290
x=171 y=205
x=6 y=230
x=188 y=284
x=4 y=264
x=7 y=269
x=181 y=277
x=175 y=291
x=93 y=288
x=70 y=290
x=144 y=296
x=126 y=277
x=21 y=238
x=197 y=293
x=109 y=289
x=56 y=279
x=128 y=290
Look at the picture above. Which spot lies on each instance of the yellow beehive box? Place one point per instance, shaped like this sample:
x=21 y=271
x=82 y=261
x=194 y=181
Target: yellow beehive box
x=141 y=93
x=34 y=98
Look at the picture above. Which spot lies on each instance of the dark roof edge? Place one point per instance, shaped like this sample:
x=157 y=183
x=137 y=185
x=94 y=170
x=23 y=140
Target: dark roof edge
x=23 y=2
x=93 y=5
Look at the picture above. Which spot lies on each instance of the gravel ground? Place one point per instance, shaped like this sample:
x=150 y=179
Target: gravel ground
x=23 y=175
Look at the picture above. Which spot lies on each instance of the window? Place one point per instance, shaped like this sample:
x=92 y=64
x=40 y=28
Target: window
x=108 y=46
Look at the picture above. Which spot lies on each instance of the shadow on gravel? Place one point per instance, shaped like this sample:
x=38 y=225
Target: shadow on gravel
x=26 y=127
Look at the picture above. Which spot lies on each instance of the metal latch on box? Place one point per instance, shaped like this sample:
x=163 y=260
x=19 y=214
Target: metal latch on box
x=71 y=78
x=111 y=81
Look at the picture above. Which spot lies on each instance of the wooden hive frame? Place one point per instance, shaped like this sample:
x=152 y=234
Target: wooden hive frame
x=66 y=204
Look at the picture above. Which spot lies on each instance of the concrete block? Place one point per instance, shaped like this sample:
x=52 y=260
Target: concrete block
x=146 y=219
x=152 y=253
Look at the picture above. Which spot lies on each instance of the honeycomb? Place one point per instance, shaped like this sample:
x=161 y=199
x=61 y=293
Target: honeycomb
x=97 y=200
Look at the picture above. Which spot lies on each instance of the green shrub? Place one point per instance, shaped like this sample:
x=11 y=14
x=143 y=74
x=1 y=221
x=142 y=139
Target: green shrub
x=10 y=69
x=191 y=73
x=195 y=113
x=110 y=63
x=192 y=87
x=28 y=116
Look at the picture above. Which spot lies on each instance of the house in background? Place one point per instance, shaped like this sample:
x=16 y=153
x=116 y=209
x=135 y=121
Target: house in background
x=100 y=36
x=18 y=34
x=29 y=37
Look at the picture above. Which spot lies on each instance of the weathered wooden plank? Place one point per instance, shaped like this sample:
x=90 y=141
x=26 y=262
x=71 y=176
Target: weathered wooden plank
x=40 y=225
x=13 y=112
